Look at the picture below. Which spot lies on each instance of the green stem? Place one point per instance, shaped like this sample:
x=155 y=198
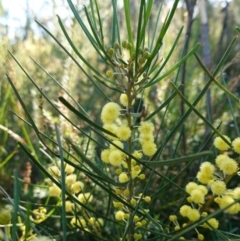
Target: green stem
x=128 y=21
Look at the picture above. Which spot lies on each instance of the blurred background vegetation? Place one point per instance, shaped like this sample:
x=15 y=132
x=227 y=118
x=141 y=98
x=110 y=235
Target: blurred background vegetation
x=30 y=41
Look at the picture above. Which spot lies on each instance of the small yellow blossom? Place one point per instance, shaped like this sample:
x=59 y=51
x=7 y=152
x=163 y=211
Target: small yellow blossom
x=229 y=166
x=172 y=218
x=220 y=144
x=54 y=191
x=193 y=215
x=123 y=133
x=138 y=224
x=105 y=155
x=213 y=222
x=136 y=218
x=218 y=187
x=203 y=189
x=191 y=186
x=197 y=196
x=119 y=215
x=208 y=168
x=142 y=176
x=149 y=148
x=54 y=171
x=236 y=193
x=146 y=127
x=124 y=99
x=68 y=206
x=79 y=222
x=184 y=210
x=200 y=236
x=77 y=187
x=69 y=169
x=224 y=201
x=110 y=112
x=123 y=177
x=236 y=145
x=85 y=197
x=115 y=158
x=137 y=236
x=146 y=138
x=137 y=154
x=117 y=204
x=70 y=179
x=204 y=178
x=147 y=199
x=220 y=159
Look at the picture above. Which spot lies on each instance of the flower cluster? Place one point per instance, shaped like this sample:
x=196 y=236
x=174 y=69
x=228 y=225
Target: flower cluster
x=213 y=178
x=76 y=188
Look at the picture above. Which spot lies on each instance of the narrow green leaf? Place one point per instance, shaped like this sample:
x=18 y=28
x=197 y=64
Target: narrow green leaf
x=126 y=4
x=215 y=81
x=199 y=114
x=63 y=193
x=193 y=50
x=168 y=56
x=75 y=61
x=166 y=102
x=180 y=159
x=199 y=97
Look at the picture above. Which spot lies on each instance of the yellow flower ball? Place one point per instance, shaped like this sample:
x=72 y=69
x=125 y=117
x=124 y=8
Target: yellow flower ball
x=203 y=189
x=69 y=169
x=124 y=99
x=204 y=178
x=197 y=196
x=147 y=199
x=149 y=148
x=85 y=197
x=220 y=144
x=70 y=179
x=68 y=206
x=5 y=217
x=110 y=112
x=218 y=187
x=221 y=159
x=229 y=166
x=123 y=177
x=115 y=158
x=193 y=215
x=236 y=145
x=77 y=187
x=213 y=222
x=236 y=193
x=146 y=127
x=208 y=168
x=54 y=191
x=173 y=218
x=123 y=133
x=79 y=222
x=137 y=154
x=200 y=236
x=190 y=187
x=143 y=138
x=54 y=171
x=184 y=210
x=119 y=215
x=105 y=155
x=225 y=201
